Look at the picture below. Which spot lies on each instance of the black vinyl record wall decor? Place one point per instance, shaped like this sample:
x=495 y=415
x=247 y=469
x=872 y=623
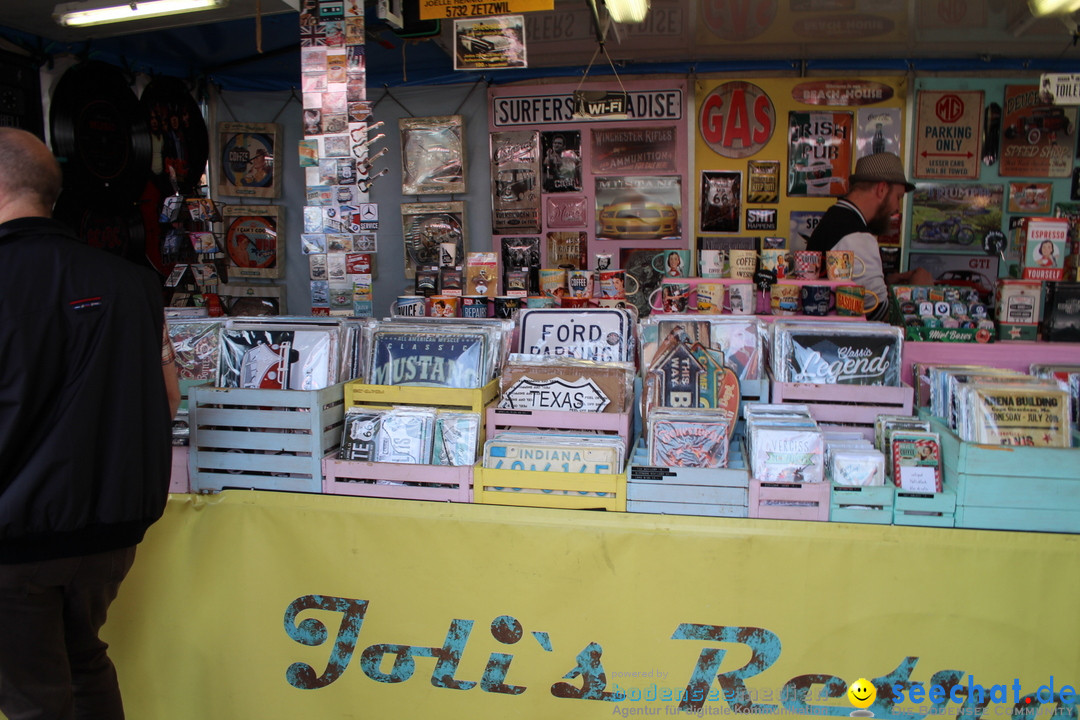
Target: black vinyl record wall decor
x=103 y=221
x=99 y=131
x=179 y=141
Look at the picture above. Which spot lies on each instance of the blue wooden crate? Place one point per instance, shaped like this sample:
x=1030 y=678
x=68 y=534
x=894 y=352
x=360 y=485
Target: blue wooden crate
x=856 y=504
x=1001 y=487
x=711 y=492
x=926 y=509
x=263 y=439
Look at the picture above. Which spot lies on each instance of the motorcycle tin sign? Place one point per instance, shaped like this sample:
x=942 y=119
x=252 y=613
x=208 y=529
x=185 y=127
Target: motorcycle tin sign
x=954 y=216
x=948 y=136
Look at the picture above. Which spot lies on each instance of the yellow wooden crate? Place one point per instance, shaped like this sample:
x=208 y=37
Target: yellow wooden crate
x=576 y=491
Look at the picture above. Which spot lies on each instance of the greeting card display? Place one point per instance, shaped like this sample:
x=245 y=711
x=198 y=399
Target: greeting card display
x=432 y=155
x=837 y=353
x=252 y=241
x=246 y=159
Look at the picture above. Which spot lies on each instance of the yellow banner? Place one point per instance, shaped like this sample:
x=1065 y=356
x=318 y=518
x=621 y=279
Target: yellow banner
x=274 y=605
x=449 y=9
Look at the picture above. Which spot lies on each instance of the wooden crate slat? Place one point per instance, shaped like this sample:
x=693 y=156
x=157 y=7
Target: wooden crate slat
x=339 y=479
x=708 y=494
x=676 y=508
x=1061 y=520
x=249 y=418
x=209 y=440
x=559 y=490
x=810 y=501
x=247 y=463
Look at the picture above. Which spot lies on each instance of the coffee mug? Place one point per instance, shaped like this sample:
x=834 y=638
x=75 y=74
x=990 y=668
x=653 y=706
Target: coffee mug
x=807 y=264
x=539 y=301
x=851 y=300
x=775 y=260
x=674 y=297
x=612 y=284
x=712 y=263
x=840 y=263
x=672 y=263
x=553 y=281
x=443 y=305
x=784 y=299
x=740 y=299
x=579 y=283
x=742 y=263
x=573 y=302
x=409 y=306
x=816 y=299
x=506 y=306
x=710 y=298
x=474 y=306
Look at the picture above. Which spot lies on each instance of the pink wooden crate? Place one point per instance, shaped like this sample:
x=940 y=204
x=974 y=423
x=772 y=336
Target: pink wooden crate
x=789 y=501
x=437 y=483
x=853 y=407
x=178 y=481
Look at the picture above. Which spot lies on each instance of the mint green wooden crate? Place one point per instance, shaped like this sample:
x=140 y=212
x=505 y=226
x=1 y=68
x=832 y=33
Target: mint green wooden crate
x=855 y=504
x=262 y=439
x=1002 y=487
x=926 y=509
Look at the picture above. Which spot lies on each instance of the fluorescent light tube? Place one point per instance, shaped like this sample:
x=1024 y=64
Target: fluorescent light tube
x=82 y=14
x=628 y=11
x=1039 y=8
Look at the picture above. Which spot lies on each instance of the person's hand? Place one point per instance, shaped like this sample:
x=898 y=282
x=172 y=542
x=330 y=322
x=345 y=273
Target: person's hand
x=916 y=276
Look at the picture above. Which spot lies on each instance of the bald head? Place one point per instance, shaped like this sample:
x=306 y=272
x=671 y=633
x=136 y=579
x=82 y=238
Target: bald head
x=29 y=176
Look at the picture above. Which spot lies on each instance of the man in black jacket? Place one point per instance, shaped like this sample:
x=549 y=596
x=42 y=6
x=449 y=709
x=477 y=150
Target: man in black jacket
x=87 y=389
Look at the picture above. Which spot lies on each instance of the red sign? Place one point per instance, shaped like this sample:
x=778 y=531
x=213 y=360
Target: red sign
x=737 y=119
x=949 y=108
x=738 y=19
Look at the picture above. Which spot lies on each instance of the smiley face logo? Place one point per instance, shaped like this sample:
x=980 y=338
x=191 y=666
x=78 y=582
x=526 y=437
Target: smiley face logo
x=861 y=693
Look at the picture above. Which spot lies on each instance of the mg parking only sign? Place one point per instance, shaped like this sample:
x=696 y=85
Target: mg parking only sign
x=948 y=135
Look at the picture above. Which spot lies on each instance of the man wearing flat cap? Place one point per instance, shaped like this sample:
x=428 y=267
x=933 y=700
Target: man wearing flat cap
x=857 y=219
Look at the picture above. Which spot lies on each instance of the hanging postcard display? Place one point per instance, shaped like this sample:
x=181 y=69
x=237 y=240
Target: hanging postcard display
x=634 y=150
x=720 y=205
x=252 y=234
x=819 y=153
x=246 y=159
x=432 y=155
x=954 y=216
x=562 y=161
x=490 y=43
x=638 y=207
x=425 y=226
x=1037 y=140
x=515 y=168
